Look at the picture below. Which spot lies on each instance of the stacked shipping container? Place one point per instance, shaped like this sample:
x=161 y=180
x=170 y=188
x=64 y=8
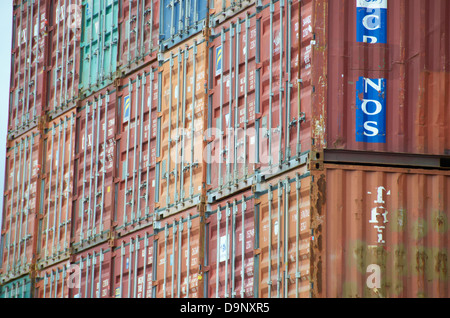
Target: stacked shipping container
x=205 y=148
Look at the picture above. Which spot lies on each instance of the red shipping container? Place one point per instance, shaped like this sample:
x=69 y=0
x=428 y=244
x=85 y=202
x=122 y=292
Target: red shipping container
x=91 y=273
x=57 y=181
x=230 y=238
x=63 y=72
x=139 y=34
x=20 y=205
x=137 y=101
x=177 y=256
x=29 y=58
x=94 y=164
x=133 y=265
x=53 y=281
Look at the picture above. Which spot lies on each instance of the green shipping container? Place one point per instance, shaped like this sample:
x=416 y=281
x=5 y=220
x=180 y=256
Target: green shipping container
x=98 y=48
x=19 y=288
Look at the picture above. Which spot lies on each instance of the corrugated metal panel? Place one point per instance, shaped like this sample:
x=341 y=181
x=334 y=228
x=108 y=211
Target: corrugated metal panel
x=98 y=47
x=283 y=235
x=180 y=127
x=139 y=33
x=133 y=265
x=180 y=20
x=54 y=282
x=177 y=255
x=56 y=208
x=385 y=232
x=28 y=79
x=20 y=205
x=138 y=128
x=220 y=10
x=19 y=288
x=63 y=75
x=230 y=238
x=407 y=113
x=91 y=273
x=94 y=169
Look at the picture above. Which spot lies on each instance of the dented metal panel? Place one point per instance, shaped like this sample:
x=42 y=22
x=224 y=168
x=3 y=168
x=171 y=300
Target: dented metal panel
x=63 y=74
x=392 y=96
x=56 y=209
x=28 y=77
x=138 y=100
x=20 y=205
x=385 y=232
x=139 y=33
x=93 y=213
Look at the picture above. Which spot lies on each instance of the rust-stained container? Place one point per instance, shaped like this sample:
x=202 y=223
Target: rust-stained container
x=53 y=281
x=258 y=123
x=139 y=34
x=180 y=152
x=383 y=232
x=56 y=190
x=29 y=57
x=283 y=236
x=230 y=239
x=96 y=195
x=133 y=265
x=91 y=273
x=386 y=76
x=21 y=205
x=177 y=245
x=137 y=126
x=64 y=56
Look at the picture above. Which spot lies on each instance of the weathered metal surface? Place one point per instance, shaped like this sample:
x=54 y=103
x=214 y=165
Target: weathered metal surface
x=18 y=288
x=385 y=232
x=390 y=96
x=95 y=165
x=56 y=190
x=64 y=57
x=139 y=33
x=20 y=205
x=137 y=126
x=28 y=77
x=53 y=281
x=133 y=265
x=91 y=273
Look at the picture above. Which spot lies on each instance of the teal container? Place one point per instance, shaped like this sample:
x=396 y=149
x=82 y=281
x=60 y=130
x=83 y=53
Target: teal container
x=18 y=288
x=98 y=48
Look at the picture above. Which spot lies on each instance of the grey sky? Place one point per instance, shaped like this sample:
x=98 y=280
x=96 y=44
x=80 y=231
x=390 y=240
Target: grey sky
x=5 y=67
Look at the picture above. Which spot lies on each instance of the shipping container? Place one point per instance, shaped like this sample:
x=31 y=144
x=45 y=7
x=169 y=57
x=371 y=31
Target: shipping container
x=91 y=273
x=95 y=148
x=380 y=232
x=19 y=233
x=55 y=209
x=177 y=255
x=384 y=68
x=180 y=150
x=221 y=10
x=28 y=61
x=18 y=288
x=137 y=126
x=229 y=247
x=133 y=265
x=64 y=56
x=180 y=20
x=53 y=281
x=252 y=133
x=139 y=34
x=98 y=47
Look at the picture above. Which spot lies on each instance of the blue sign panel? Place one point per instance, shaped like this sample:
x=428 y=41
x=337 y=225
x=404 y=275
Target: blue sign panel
x=371 y=110
x=126 y=108
x=219 y=60
x=371 y=21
